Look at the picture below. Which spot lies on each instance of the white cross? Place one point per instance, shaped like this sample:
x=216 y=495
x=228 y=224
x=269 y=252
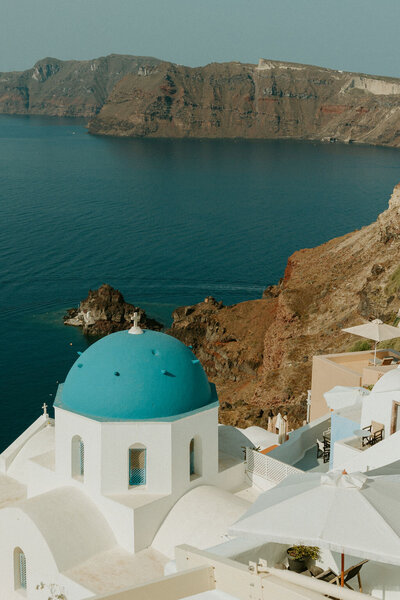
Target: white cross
x=135 y=329
x=45 y=410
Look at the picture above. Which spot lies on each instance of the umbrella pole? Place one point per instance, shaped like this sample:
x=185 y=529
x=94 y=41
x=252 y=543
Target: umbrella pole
x=376 y=343
x=342 y=573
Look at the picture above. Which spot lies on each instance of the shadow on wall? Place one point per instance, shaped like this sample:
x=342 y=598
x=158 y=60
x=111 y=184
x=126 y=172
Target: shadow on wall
x=232 y=441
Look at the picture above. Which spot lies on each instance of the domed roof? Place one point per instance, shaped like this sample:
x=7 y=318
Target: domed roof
x=136 y=377
x=389 y=382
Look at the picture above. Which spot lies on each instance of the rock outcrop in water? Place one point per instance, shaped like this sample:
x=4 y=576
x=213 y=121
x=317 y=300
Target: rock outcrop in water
x=105 y=311
x=270 y=100
x=260 y=353
x=146 y=97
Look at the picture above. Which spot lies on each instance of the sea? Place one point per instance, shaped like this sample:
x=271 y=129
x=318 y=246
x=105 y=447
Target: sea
x=167 y=222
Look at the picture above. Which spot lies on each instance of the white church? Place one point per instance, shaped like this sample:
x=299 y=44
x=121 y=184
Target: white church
x=133 y=464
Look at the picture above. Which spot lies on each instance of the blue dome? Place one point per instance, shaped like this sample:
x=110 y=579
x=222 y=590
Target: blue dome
x=136 y=377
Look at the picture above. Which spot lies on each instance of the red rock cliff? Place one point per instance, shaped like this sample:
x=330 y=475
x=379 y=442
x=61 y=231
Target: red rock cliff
x=259 y=353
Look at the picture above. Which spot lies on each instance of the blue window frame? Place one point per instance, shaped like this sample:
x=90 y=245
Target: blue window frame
x=137 y=466
x=191 y=457
x=77 y=458
x=22 y=570
x=81 y=457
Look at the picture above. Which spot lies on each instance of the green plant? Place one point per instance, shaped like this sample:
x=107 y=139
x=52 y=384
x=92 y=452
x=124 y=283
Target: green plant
x=55 y=591
x=360 y=346
x=301 y=552
x=393 y=285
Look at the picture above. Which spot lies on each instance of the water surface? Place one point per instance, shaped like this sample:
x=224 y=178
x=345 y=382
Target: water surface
x=166 y=221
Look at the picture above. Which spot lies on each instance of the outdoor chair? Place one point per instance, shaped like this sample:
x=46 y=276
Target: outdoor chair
x=327 y=449
x=349 y=574
x=387 y=361
x=376 y=430
x=320 y=449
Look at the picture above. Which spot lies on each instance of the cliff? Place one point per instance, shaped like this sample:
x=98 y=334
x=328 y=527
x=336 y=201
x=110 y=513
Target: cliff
x=270 y=100
x=67 y=88
x=145 y=97
x=260 y=353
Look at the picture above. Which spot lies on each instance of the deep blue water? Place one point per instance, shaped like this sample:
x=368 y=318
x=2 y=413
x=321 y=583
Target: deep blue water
x=167 y=222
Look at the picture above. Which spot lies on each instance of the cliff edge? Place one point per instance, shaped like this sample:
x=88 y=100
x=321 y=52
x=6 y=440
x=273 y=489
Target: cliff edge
x=270 y=100
x=67 y=88
x=134 y=96
x=259 y=353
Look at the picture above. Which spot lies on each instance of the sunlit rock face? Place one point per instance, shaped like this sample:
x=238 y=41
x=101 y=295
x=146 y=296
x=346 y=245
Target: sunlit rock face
x=270 y=100
x=259 y=353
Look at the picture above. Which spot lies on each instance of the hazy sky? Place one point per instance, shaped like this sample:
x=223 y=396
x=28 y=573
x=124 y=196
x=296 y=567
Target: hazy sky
x=357 y=35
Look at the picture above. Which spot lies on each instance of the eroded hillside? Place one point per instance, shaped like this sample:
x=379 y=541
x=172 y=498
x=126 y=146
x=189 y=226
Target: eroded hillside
x=270 y=100
x=259 y=353
x=71 y=88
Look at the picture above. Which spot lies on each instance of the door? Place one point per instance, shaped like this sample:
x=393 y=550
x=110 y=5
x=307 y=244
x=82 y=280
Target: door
x=395 y=425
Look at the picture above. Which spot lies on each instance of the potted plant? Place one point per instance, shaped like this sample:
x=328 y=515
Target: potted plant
x=299 y=557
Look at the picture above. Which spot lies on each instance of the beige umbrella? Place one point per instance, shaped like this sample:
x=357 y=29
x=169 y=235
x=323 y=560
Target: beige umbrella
x=374 y=330
x=350 y=514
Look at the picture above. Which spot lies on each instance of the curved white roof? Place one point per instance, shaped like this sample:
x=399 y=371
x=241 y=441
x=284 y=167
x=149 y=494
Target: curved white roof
x=70 y=524
x=200 y=518
x=389 y=382
x=260 y=437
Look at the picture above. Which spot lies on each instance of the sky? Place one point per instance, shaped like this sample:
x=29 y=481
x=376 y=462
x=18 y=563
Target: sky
x=353 y=35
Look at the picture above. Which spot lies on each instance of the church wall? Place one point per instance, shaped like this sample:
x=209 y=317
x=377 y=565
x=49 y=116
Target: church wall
x=203 y=427
x=68 y=425
x=23 y=534
x=121 y=520
x=117 y=438
x=148 y=520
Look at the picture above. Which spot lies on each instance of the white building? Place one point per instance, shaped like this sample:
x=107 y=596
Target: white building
x=133 y=464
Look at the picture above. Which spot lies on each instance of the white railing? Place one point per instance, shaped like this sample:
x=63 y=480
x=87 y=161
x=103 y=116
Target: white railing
x=269 y=468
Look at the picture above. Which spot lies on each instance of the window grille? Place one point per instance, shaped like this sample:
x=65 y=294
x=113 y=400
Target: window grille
x=137 y=466
x=81 y=458
x=192 y=470
x=22 y=570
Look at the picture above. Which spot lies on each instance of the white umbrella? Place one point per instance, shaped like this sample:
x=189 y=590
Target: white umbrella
x=350 y=514
x=375 y=330
x=342 y=396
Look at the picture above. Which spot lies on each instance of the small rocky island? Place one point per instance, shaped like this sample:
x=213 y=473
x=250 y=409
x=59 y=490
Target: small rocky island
x=105 y=311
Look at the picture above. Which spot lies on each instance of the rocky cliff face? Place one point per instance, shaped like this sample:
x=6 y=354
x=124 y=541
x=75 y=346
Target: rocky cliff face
x=260 y=353
x=146 y=97
x=67 y=88
x=271 y=100
x=105 y=311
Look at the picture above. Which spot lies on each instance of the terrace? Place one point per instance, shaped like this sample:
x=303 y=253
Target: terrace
x=349 y=369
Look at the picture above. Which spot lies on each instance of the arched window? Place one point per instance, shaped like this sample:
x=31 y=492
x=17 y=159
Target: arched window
x=191 y=457
x=77 y=457
x=137 y=465
x=19 y=569
x=195 y=457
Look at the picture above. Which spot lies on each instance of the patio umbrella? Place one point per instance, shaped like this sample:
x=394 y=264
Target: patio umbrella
x=342 y=396
x=374 y=330
x=351 y=514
